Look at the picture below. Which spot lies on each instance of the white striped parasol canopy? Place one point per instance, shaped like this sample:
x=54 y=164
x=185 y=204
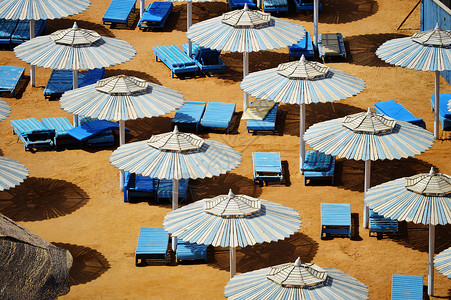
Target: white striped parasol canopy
x=12 y=173
x=295 y=281
x=442 y=262
x=40 y=9
x=5 y=109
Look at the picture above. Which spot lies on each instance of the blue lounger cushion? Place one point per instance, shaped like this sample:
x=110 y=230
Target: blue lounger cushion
x=188 y=251
x=190 y=113
x=267 y=166
x=238 y=4
x=164 y=189
x=304 y=47
x=380 y=224
x=119 y=11
x=61 y=81
x=331 y=44
x=6 y=30
x=22 y=31
x=267 y=124
x=153 y=243
x=61 y=125
x=33 y=133
x=155 y=15
x=335 y=218
x=303 y=5
x=138 y=186
x=10 y=77
x=175 y=59
x=218 y=115
x=95 y=133
x=275 y=6
x=207 y=59
x=407 y=287
x=443 y=111
x=316 y=161
x=397 y=111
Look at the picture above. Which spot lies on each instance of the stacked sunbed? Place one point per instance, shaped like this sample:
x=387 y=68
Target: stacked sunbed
x=207 y=60
x=155 y=15
x=331 y=45
x=175 y=59
x=9 y=78
x=397 y=111
x=275 y=6
x=239 y=4
x=119 y=12
x=318 y=165
x=14 y=32
x=304 y=47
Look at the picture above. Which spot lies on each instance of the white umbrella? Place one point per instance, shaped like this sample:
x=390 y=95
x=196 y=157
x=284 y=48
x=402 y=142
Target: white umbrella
x=5 y=109
x=12 y=173
x=442 y=262
x=422 y=198
x=245 y=31
x=231 y=221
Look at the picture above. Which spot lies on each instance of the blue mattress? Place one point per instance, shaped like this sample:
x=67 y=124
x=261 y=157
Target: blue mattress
x=155 y=15
x=6 y=30
x=153 y=242
x=91 y=129
x=189 y=114
x=218 y=115
x=10 y=77
x=207 y=59
x=22 y=31
x=175 y=59
x=60 y=81
x=304 y=47
x=443 y=112
x=397 y=111
x=237 y=4
x=118 y=11
x=164 y=189
x=267 y=124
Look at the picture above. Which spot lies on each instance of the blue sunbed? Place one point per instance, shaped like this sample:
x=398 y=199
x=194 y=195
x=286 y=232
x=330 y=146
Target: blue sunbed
x=138 y=186
x=304 y=5
x=207 y=59
x=96 y=133
x=153 y=243
x=22 y=31
x=189 y=114
x=119 y=11
x=335 y=218
x=218 y=115
x=397 y=111
x=318 y=165
x=267 y=124
x=239 y=4
x=379 y=224
x=33 y=134
x=443 y=113
x=407 y=287
x=175 y=59
x=155 y=15
x=9 y=78
x=267 y=167
x=275 y=6
x=61 y=126
x=188 y=251
x=163 y=188
x=331 y=45
x=304 y=47
x=6 y=30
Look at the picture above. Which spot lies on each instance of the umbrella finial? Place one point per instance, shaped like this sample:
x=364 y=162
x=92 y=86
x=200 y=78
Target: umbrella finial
x=176 y=129
x=302 y=59
x=369 y=112
x=437 y=26
x=246 y=8
x=231 y=194
x=75 y=26
x=432 y=172
x=297 y=263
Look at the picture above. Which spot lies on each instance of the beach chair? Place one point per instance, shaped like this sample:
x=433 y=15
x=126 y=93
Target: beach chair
x=304 y=47
x=153 y=243
x=118 y=12
x=9 y=78
x=380 y=225
x=155 y=15
x=22 y=31
x=163 y=189
x=90 y=77
x=397 y=111
x=275 y=6
x=207 y=60
x=218 y=115
x=96 y=133
x=188 y=251
x=6 y=30
x=331 y=45
x=443 y=113
x=138 y=186
x=33 y=134
x=175 y=59
x=318 y=165
x=306 y=5
x=267 y=124
x=267 y=167
x=335 y=219
x=239 y=4
x=189 y=115
x=406 y=287
x=61 y=126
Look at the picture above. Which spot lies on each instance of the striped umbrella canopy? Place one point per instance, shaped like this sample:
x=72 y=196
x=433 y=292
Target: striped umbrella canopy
x=5 y=109
x=423 y=198
x=231 y=221
x=368 y=136
x=442 y=262
x=245 y=30
x=12 y=173
x=295 y=281
x=449 y=105
x=302 y=82
x=426 y=51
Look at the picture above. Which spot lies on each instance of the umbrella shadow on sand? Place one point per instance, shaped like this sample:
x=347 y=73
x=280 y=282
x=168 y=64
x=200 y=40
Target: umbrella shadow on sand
x=201 y=12
x=39 y=199
x=144 y=128
x=265 y=255
x=138 y=74
x=57 y=24
x=88 y=264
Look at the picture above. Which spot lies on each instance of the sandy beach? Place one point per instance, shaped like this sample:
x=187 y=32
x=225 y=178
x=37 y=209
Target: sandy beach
x=72 y=197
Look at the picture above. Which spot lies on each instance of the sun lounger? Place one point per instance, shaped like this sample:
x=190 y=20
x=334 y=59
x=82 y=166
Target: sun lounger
x=331 y=45
x=119 y=11
x=443 y=113
x=175 y=59
x=153 y=243
x=379 y=224
x=95 y=134
x=188 y=251
x=163 y=189
x=267 y=167
x=33 y=134
x=9 y=78
x=275 y=6
x=6 y=30
x=138 y=186
x=318 y=165
x=397 y=111
x=239 y=4
x=189 y=115
x=406 y=287
x=61 y=126
x=155 y=15
x=22 y=31
x=304 y=5
x=336 y=219
x=267 y=124
x=207 y=60
x=218 y=115
x=304 y=47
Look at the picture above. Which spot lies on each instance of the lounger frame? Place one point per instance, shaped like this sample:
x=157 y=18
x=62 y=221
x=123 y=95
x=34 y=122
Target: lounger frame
x=189 y=251
x=267 y=167
x=444 y=114
x=336 y=219
x=155 y=7
x=118 y=12
x=218 y=115
x=189 y=115
x=9 y=78
x=153 y=243
x=380 y=225
x=33 y=134
x=131 y=190
x=267 y=124
x=276 y=9
x=338 y=37
x=175 y=59
x=406 y=287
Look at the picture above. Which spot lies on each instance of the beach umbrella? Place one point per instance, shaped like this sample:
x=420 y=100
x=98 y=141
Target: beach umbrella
x=40 y=10
x=442 y=262
x=75 y=49
x=368 y=136
x=5 y=109
x=422 y=198
x=244 y=31
x=302 y=82
x=232 y=221
x=426 y=51
x=295 y=281
x=31 y=267
x=12 y=173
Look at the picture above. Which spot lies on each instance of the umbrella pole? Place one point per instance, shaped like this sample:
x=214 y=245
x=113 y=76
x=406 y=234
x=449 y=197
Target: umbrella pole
x=436 y=104
x=315 y=24
x=74 y=86
x=189 y=22
x=301 y=135
x=232 y=261
x=366 y=187
x=121 y=142
x=245 y=72
x=141 y=8
x=175 y=205
x=32 y=67
x=431 y=259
